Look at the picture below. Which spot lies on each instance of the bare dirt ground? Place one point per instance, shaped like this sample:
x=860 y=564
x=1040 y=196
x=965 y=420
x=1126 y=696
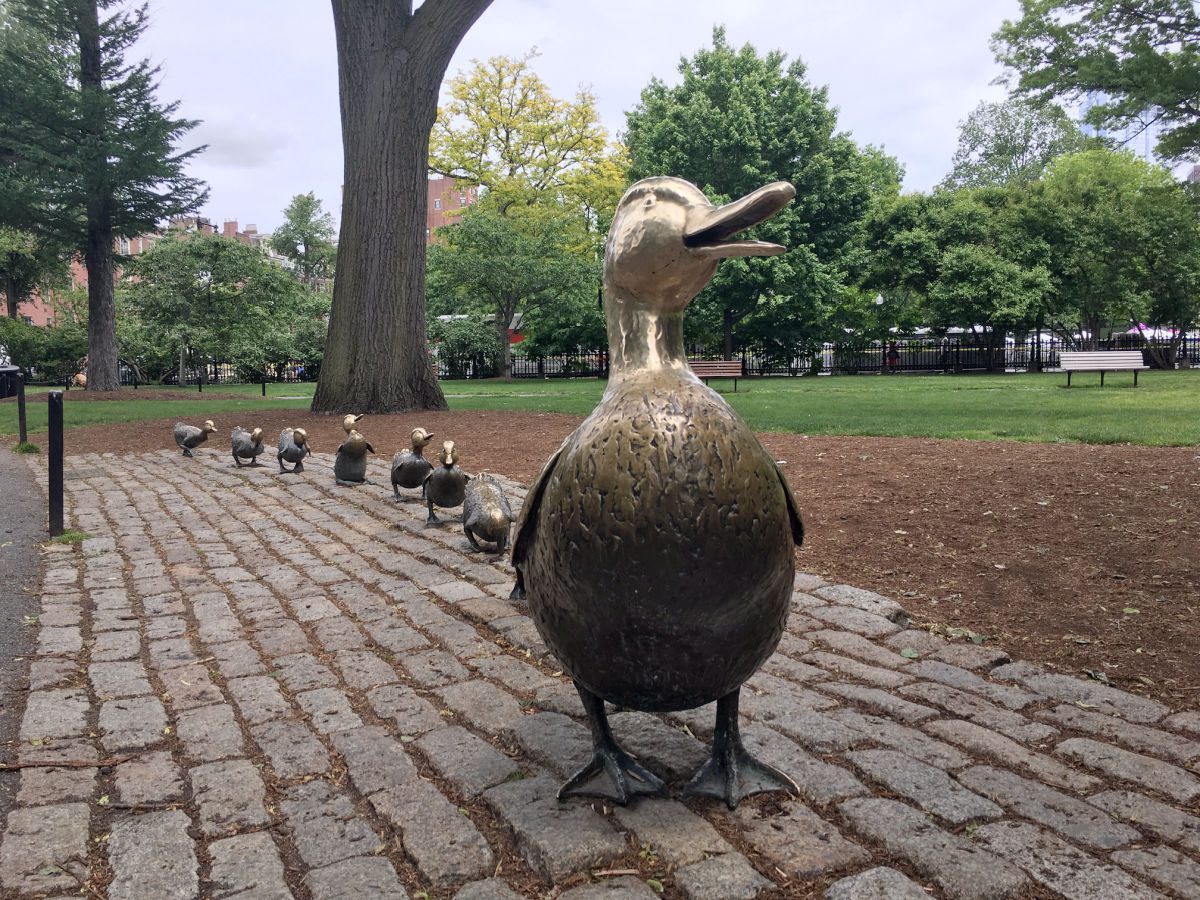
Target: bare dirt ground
x=1086 y=558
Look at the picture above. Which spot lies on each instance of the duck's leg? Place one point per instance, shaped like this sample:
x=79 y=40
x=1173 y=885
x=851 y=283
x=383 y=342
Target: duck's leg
x=433 y=519
x=612 y=774
x=731 y=773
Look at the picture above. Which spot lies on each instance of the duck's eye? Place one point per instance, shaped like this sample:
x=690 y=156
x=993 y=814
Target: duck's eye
x=650 y=198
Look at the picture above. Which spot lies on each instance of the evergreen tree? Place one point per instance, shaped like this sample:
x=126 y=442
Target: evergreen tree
x=87 y=152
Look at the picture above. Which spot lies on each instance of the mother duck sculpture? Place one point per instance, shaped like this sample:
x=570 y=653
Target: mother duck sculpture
x=655 y=550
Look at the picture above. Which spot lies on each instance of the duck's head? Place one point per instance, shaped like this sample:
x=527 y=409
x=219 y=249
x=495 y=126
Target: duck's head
x=256 y=436
x=349 y=421
x=420 y=437
x=299 y=436
x=209 y=427
x=667 y=238
x=448 y=456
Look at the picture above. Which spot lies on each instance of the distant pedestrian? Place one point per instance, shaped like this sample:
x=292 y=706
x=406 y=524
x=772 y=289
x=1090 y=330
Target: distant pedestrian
x=892 y=359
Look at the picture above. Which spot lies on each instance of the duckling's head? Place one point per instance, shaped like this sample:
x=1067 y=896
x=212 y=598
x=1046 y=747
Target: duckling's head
x=256 y=436
x=448 y=456
x=348 y=422
x=667 y=238
x=209 y=427
x=420 y=437
x=299 y=436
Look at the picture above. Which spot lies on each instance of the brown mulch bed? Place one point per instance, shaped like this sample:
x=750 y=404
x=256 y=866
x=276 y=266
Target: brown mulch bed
x=1086 y=558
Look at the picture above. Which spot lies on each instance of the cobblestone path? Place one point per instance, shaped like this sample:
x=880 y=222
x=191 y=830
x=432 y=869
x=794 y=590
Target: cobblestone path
x=273 y=687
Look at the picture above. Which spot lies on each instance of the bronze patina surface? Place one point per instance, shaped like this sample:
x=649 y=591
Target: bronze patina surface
x=293 y=447
x=410 y=468
x=189 y=437
x=446 y=485
x=655 y=550
x=350 y=463
x=486 y=513
x=246 y=445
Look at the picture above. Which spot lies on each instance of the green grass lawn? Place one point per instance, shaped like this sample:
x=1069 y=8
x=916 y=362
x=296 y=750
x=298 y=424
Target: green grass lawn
x=1163 y=411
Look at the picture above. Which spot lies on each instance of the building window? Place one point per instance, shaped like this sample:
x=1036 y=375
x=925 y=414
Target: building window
x=28 y=319
x=437 y=203
x=462 y=199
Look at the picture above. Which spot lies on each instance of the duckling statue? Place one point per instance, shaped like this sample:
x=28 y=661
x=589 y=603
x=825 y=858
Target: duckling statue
x=189 y=437
x=293 y=447
x=410 y=468
x=655 y=550
x=246 y=445
x=348 y=422
x=445 y=485
x=486 y=513
x=350 y=463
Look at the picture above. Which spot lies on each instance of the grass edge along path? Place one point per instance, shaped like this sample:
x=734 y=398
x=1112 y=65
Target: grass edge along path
x=1164 y=410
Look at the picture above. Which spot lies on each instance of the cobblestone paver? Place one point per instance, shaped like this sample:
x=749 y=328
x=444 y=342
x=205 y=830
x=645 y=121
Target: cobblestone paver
x=249 y=685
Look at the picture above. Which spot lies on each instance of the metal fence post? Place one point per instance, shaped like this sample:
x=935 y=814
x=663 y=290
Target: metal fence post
x=24 y=435
x=264 y=387
x=55 y=483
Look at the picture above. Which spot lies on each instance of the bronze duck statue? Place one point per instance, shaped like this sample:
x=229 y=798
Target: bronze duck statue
x=655 y=550
x=445 y=485
x=350 y=462
x=486 y=513
x=246 y=445
x=293 y=447
x=189 y=437
x=410 y=468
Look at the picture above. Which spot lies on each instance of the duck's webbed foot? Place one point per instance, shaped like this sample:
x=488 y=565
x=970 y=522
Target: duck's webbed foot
x=612 y=773
x=187 y=452
x=432 y=519
x=731 y=773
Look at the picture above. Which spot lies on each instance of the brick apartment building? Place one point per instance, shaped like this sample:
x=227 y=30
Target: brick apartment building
x=444 y=198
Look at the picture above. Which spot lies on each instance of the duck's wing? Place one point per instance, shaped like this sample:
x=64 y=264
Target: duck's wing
x=370 y=449
x=793 y=509
x=527 y=525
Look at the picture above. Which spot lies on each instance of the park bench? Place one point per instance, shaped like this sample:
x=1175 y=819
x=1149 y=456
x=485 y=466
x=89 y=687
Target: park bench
x=707 y=368
x=1102 y=361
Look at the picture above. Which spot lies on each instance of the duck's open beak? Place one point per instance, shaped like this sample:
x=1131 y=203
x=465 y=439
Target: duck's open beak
x=709 y=236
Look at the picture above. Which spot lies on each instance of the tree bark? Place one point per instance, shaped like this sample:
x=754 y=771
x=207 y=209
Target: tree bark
x=390 y=67
x=10 y=295
x=502 y=320
x=727 y=330
x=98 y=253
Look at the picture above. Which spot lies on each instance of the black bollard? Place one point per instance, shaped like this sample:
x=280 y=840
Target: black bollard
x=21 y=408
x=200 y=386
x=55 y=482
x=264 y=387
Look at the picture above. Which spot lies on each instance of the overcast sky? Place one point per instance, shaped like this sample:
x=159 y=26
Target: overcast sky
x=262 y=74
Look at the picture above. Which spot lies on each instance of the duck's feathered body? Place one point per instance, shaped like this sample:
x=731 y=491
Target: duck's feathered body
x=189 y=437
x=410 y=468
x=655 y=550
x=246 y=445
x=486 y=513
x=293 y=447
x=350 y=463
x=446 y=484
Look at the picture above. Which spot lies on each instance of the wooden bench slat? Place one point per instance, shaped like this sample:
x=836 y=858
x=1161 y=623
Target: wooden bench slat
x=713 y=368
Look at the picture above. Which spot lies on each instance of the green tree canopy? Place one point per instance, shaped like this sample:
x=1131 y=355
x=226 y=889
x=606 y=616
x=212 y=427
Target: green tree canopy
x=1141 y=58
x=737 y=121
x=306 y=238
x=87 y=152
x=1010 y=143
x=27 y=260
x=218 y=299
x=504 y=264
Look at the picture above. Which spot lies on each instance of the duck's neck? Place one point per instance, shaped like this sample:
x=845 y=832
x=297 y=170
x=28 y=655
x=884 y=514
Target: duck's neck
x=642 y=340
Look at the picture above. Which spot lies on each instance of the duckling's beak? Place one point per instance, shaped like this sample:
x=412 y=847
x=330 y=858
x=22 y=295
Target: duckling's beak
x=708 y=236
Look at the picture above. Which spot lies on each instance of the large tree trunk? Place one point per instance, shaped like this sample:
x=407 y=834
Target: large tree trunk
x=502 y=320
x=727 y=333
x=390 y=67
x=98 y=254
x=10 y=294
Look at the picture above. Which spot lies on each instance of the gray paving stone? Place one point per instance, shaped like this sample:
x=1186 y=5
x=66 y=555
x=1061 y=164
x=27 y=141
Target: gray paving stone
x=900 y=737
x=1141 y=738
x=868 y=601
x=674 y=833
x=1006 y=695
x=356 y=879
x=1053 y=862
x=55 y=714
x=797 y=842
x=1076 y=690
x=554 y=838
x=45 y=849
x=985 y=742
x=258 y=698
x=363 y=669
x=132 y=723
x=291 y=748
x=149 y=779
x=167 y=653
x=1163 y=866
x=845 y=667
x=856 y=620
x=411 y=713
x=665 y=749
x=445 y=845
x=876 y=884
x=819 y=782
x=519 y=677
x=237 y=658
x=818 y=732
x=466 y=761
x=329 y=710
x=726 y=877
x=1164 y=822
x=975 y=709
x=209 y=733
x=230 y=795
x=622 y=888
x=374 y=758
x=488 y=889
x=980 y=658
x=1155 y=774
x=556 y=741
x=928 y=787
x=302 y=672
x=959 y=867
x=884 y=702
x=153 y=856
x=1074 y=819
x=67 y=639
x=190 y=686
x=339 y=634
x=53 y=672
x=41 y=786
x=325 y=825
x=395 y=636
x=247 y=867
x=116 y=645
x=482 y=705
x=434 y=668
x=281 y=639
